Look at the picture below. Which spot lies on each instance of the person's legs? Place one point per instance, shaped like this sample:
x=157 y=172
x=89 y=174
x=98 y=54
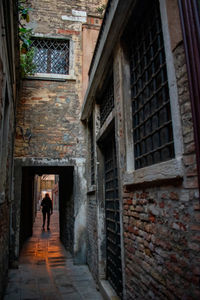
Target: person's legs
x=44 y=218
x=48 y=220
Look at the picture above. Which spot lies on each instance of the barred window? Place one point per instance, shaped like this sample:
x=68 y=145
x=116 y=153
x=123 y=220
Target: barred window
x=92 y=170
x=107 y=101
x=152 y=125
x=51 y=56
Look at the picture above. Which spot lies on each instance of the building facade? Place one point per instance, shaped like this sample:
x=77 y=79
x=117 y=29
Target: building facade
x=122 y=142
x=8 y=97
x=50 y=139
x=143 y=158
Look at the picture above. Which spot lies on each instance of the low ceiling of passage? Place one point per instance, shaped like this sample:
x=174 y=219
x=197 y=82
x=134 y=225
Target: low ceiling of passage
x=58 y=170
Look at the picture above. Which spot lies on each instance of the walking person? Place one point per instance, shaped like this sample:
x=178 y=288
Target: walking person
x=47 y=210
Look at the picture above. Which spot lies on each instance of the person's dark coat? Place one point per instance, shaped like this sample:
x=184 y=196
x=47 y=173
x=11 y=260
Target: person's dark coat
x=46 y=205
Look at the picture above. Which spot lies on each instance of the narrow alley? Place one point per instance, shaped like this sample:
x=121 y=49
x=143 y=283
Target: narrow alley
x=46 y=270
x=100 y=109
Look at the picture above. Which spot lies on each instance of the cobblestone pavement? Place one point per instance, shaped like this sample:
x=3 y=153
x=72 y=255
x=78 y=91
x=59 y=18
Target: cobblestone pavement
x=46 y=270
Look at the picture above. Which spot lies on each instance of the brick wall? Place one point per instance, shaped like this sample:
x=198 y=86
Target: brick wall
x=46 y=15
x=48 y=112
x=4 y=244
x=161 y=223
x=51 y=109
x=8 y=97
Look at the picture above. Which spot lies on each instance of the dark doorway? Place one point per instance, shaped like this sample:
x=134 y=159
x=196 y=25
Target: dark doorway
x=112 y=214
x=66 y=202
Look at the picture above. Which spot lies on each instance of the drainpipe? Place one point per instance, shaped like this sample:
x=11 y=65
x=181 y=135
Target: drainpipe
x=190 y=22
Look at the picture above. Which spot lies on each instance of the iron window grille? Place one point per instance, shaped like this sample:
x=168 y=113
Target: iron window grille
x=92 y=169
x=51 y=56
x=152 y=125
x=107 y=101
x=112 y=210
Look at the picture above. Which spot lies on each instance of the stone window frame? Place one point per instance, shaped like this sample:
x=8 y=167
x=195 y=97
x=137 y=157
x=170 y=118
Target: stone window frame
x=95 y=117
x=164 y=170
x=48 y=76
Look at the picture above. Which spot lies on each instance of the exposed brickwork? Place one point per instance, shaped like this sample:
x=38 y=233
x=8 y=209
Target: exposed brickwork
x=68 y=32
x=159 y=248
x=161 y=224
x=49 y=108
x=8 y=98
x=51 y=111
x=4 y=244
x=47 y=14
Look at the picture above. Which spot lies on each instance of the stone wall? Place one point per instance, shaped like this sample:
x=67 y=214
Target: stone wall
x=159 y=204
x=92 y=242
x=161 y=223
x=8 y=98
x=4 y=244
x=50 y=109
x=48 y=113
x=47 y=15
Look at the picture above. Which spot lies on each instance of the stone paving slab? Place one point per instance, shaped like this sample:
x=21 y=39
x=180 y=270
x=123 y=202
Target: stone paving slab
x=46 y=270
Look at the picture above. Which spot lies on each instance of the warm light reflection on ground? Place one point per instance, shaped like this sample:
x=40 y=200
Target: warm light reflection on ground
x=46 y=270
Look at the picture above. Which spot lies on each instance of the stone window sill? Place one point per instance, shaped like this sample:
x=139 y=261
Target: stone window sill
x=91 y=190
x=166 y=171
x=55 y=77
x=107 y=124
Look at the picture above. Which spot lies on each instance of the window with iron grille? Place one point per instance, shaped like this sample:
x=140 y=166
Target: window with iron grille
x=107 y=101
x=51 y=56
x=152 y=125
x=112 y=215
x=92 y=170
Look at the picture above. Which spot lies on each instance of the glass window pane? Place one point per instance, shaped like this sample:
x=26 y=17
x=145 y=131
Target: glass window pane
x=51 y=56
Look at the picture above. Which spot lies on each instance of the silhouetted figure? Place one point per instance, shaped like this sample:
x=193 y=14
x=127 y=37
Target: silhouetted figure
x=47 y=209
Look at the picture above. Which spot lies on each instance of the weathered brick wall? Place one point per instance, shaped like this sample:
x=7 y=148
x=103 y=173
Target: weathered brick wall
x=8 y=97
x=92 y=253
x=4 y=244
x=161 y=224
x=47 y=14
x=6 y=162
x=51 y=109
